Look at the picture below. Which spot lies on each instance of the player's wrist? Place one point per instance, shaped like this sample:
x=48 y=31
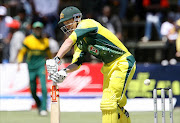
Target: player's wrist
x=58 y=60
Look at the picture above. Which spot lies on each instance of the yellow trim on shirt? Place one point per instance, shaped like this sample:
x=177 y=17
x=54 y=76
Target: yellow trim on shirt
x=73 y=37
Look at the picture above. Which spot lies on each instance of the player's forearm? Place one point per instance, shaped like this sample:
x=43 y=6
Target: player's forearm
x=71 y=68
x=66 y=47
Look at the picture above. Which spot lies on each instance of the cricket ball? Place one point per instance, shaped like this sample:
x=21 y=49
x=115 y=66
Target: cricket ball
x=147 y=82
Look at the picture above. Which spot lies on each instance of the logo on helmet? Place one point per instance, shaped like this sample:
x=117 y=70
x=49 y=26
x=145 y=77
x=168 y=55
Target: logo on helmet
x=61 y=15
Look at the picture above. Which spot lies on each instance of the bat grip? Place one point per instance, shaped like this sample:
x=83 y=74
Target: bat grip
x=54 y=83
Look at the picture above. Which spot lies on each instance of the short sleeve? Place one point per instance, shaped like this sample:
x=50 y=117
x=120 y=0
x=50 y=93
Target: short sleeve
x=83 y=29
x=73 y=37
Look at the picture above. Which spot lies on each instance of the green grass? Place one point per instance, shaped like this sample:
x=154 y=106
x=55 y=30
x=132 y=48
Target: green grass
x=78 y=117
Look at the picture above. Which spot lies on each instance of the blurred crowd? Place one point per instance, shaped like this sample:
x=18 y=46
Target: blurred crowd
x=160 y=19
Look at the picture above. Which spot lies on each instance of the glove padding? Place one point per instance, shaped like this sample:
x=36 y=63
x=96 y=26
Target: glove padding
x=59 y=76
x=52 y=66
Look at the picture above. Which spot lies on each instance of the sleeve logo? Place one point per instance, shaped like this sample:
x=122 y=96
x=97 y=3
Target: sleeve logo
x=93 y=50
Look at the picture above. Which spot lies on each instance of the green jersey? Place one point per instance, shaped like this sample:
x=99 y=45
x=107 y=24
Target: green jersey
x=90 y=36
x=37 y=51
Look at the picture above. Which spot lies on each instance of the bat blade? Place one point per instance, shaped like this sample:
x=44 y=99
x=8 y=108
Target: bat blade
x=55 y=105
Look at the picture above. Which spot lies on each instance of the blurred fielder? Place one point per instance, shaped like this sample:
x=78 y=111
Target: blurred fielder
x=36 y=49
x=119 y=65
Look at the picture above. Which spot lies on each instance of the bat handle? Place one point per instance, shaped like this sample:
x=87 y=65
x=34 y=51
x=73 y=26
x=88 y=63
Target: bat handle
x=54 y=83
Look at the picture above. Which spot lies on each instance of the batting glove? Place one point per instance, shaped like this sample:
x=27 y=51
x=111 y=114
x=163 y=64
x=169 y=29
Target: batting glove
x=52 y=65
x=59 y=76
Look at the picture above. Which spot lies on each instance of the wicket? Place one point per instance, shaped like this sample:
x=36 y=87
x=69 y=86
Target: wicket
x=163 y=104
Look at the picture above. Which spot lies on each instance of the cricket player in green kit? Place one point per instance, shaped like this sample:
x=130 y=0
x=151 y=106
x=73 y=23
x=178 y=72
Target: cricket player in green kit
x=37 y=49
x=118 y=64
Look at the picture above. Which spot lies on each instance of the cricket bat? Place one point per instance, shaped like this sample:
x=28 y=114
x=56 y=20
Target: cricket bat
x=55 y=104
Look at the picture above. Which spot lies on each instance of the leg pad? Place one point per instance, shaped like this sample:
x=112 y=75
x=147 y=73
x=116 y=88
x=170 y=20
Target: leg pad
x=109 y=107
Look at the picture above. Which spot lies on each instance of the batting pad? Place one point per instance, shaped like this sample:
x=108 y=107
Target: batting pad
x=109 y=107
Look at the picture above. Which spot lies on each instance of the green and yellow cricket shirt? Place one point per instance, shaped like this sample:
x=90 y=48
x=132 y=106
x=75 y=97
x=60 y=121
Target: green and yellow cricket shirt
x=36 y=50
x=90 y=36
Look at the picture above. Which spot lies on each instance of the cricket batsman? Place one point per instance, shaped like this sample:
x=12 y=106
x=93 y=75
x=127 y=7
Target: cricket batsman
x=119 y=65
